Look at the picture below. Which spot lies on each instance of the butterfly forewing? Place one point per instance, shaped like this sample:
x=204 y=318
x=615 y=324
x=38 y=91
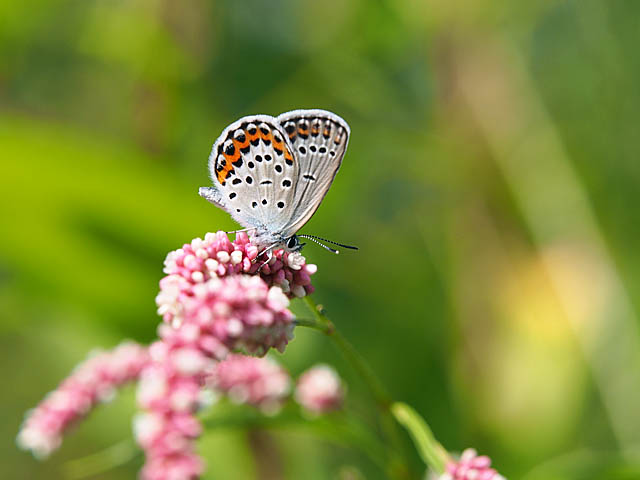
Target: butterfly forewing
x=253 y=169
x=319 y=139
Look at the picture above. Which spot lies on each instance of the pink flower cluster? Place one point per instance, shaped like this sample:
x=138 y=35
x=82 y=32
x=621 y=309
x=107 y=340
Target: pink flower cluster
x=320 y=390
x=213 y=302
x=93 y=381
x=218 y=297
x=470 y=466
x=260 y=382
x=216 y=256
x=236 y=312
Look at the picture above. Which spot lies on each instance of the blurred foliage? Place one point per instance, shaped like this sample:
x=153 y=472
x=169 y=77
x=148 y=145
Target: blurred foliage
x=491 y=184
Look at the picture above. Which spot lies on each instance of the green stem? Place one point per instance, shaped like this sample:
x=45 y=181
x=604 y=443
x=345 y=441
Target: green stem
x=325 y=325
x=431 y=451
x=382 y=399
x=303 y=322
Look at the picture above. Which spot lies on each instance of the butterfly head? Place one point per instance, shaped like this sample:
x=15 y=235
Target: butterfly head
x=292 y=244
x=267 y=240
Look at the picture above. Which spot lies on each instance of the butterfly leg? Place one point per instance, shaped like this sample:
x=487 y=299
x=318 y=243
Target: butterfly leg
x=269 y=252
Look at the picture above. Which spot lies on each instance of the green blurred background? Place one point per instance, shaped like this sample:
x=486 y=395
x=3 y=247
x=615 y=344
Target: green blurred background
x=491 y=183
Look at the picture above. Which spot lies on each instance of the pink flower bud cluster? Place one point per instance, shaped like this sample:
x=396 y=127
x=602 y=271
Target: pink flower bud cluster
x=216 y=256
x=168 y=391
x=260 y=382
x=218 y=297
x=236 y=312
x=470 y=466
x=319 y=390
x=241 y=313
x=92 y=382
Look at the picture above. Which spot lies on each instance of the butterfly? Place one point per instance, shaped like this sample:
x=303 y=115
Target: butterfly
x=271 y=173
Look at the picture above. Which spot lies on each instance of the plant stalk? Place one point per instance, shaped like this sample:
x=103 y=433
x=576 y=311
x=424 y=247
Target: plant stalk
x=398 y=461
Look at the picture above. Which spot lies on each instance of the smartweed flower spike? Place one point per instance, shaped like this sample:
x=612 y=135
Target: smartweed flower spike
x=92 y=382
x=320 y=390
x=219 y=315
x=239 y=313
x=260 y=382
x=470 y=466
x=217 y=257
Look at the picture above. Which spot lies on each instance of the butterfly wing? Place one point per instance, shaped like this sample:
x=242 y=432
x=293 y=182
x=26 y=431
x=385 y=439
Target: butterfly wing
x=253 y=172
x=319 y=139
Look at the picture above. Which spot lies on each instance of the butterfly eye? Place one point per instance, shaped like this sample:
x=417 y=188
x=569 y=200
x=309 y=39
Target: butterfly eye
x=292 y=242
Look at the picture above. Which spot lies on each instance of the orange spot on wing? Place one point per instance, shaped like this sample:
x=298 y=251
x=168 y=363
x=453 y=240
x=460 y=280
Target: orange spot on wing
x=253 y=137
x=239 y=144
x=228 y=167
x=266 y=137
x=232 y=158
x=287 y=155
x=278 y=145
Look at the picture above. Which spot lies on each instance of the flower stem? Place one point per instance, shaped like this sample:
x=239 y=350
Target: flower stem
x=382 y=399
x=327 y=326
x=431 y=451
x=303 y=322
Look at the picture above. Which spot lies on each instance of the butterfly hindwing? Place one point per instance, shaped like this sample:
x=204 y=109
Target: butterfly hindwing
x=253 y=170
x=319 y=139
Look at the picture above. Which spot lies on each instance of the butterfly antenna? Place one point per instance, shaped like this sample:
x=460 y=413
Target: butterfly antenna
x=315 y=239
x=321 y=244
